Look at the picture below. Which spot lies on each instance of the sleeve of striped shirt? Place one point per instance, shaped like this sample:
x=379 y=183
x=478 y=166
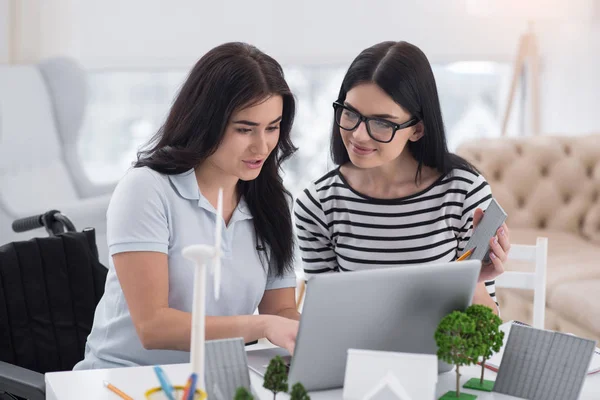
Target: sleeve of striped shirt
x=313 y=234
x=479 y=195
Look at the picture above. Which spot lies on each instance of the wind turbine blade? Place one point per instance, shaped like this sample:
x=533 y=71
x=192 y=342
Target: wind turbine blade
x=217 y=254
x=217 y=272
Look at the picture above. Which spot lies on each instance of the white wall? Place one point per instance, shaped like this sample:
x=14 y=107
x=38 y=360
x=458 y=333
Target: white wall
x=149 y=31
x=571 y=80
x=138 y=33
x=160 y=33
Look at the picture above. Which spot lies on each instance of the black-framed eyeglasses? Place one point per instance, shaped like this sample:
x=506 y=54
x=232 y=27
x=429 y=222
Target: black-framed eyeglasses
x=380 y=130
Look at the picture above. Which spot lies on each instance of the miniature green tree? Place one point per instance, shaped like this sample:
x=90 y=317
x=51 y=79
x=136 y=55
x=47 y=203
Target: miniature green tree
x=488 y=324
x=276 y=376
x=458 y=343
x=299 y=393
x=243 y=394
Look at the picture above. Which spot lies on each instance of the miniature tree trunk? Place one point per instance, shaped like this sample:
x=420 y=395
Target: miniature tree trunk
x=482 y=370
x=488 y=324
x=458 y=381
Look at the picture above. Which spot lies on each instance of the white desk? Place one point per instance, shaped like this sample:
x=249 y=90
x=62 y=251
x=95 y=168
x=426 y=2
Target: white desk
x=88 y=385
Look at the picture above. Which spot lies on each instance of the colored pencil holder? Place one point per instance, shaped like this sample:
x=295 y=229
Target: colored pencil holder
x=158 y=394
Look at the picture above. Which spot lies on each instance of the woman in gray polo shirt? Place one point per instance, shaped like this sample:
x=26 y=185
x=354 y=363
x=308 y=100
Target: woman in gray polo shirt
x=228 y=127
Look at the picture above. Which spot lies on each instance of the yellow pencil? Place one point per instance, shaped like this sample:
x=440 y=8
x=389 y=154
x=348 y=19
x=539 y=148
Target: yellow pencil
x=117 y=391
x=466 y=255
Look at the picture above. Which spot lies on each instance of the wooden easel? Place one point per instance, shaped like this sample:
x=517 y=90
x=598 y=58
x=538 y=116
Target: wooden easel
x=528 y=54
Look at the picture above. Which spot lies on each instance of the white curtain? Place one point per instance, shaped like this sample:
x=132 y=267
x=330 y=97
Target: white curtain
x=20 y=32
x=5 y=12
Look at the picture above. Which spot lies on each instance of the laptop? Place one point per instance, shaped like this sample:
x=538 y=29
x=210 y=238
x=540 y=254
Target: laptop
x=391 y=309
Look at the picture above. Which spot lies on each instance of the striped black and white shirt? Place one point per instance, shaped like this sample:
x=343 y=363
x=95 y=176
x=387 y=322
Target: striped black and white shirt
x=340 y=229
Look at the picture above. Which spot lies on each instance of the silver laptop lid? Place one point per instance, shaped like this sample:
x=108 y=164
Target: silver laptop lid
x=392 y=309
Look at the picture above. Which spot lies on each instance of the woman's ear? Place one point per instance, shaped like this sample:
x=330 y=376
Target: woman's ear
x=418 y=132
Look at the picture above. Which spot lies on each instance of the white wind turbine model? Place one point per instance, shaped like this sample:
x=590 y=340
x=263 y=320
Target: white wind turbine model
x=202 y=255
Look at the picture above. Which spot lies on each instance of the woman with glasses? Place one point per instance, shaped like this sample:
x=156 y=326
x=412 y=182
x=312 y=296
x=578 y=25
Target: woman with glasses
x=398 y=196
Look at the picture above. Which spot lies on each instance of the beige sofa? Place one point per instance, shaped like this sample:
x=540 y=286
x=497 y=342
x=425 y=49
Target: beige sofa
x=550 y=186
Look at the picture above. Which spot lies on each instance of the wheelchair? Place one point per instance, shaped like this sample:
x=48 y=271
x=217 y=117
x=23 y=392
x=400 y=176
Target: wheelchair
x=49 y=289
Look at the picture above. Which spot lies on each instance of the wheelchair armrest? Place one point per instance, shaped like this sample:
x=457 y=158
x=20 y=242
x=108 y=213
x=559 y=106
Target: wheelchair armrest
x=22 y=382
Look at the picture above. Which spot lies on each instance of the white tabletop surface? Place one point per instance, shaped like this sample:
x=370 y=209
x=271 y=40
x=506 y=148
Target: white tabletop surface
x=77 y=385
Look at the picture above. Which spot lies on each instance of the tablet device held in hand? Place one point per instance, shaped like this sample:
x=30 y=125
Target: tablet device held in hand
x=493 y=218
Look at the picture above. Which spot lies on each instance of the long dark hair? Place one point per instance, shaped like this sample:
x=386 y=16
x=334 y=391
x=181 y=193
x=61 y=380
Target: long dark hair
x=228 y=78
x=402 y=71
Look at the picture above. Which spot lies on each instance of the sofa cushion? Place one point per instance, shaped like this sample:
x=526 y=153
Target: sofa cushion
x=570 y=257
x=550 y=186
x=573 y=274
x=578 y=300
x=545 y=182
x=515 y=307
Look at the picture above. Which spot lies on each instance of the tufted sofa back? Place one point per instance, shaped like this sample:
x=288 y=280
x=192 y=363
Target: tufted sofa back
x=543 y=182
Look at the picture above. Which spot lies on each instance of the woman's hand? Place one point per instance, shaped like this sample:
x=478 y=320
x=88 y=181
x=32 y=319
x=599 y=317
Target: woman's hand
x=282 y=332
x=499 y=247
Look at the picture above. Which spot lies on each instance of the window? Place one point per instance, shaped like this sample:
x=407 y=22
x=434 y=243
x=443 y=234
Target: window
x=127 y=107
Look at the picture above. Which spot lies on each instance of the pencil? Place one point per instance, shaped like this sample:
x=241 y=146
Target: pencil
x=192 y=393
x=466 y=255
x=164 y=382
x=186 y=390
x=117 y=391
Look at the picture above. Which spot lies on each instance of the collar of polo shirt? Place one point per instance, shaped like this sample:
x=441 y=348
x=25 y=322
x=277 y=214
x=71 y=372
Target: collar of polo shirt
x=187 y=187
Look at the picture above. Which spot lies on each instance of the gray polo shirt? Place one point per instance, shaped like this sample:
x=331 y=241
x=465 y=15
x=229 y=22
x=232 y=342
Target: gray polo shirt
x=150 y=211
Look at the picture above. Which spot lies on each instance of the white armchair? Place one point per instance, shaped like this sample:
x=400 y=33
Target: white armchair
x=41 y=112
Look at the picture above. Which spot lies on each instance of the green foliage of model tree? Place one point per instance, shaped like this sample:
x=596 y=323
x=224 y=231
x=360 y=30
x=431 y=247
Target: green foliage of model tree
x=276 y=376
x=243 y=394
x=299 y=393
x=458 y=342
x=488 y=324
